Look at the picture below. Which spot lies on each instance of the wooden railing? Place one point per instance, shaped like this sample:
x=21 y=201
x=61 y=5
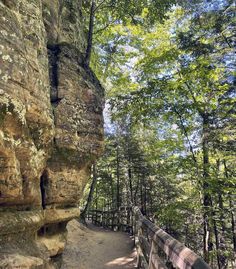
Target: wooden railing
x=121 y=219
x=158 y=250
x=155 y=248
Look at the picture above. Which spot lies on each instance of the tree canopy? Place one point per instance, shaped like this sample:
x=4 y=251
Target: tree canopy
x=169 y=71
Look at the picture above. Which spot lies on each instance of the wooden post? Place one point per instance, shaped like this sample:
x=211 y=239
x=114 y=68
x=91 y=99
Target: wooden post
x=154 y=260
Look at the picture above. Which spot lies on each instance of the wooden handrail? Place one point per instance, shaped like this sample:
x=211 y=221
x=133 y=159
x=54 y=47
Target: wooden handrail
x=156 y=249
x=175 y=253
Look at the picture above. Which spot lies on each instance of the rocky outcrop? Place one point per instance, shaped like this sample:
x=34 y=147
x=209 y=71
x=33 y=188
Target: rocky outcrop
x=51 y=127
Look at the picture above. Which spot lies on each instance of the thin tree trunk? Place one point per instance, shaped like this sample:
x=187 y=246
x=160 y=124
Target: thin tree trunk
x=220 y=200
x=117 y=177
x=232 y=213
x=216 y=233
x=136 y=190
x=112 y=192
x=90 y=34
x=150 y=201
x=90 y=196
x=207 y=240
x=145 y=198
x=96 y=205
x=130 y=184
x=141 y=194
x=233 y=225
x=222 y=259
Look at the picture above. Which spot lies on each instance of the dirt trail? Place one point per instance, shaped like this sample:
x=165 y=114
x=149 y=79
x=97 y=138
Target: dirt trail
x=97 y=248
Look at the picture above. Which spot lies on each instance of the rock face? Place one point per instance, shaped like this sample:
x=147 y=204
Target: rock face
x=51 y=127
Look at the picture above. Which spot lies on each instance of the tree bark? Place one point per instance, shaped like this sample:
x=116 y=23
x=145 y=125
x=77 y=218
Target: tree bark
x=118 y=203
x=216 y=233
x=112 y=192
x=130 y=184
x=222 y=259
x=90 y=34
x=233 y=226
x=232 y=213
x=207 y=240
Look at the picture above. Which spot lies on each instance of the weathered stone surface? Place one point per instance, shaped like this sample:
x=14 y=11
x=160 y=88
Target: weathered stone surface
x=26 y=120
x=64 y=23
x=21 y=221
x=51 y=127
x=64 y=183
x=19 y=261
x=55 y=244
x=60 y=215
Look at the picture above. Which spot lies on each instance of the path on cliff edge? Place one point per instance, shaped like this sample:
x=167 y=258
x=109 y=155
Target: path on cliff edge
x=96 y=248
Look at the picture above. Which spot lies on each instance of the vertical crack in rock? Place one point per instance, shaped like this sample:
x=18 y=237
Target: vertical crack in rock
x=43 y=187
x=53 y=57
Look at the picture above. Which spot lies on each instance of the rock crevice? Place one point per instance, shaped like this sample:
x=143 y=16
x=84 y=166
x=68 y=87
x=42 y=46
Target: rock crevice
x=53 y=53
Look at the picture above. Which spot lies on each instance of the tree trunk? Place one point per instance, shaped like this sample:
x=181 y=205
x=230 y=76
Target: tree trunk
x=220 y=199
x=216 y=233
x=117 y=177
x=207 y=240
x=112 y=192
x=130 y=184
x=233 y=225
x=90 y=34
x=141 y=194
x=231 y=204
x=145 y=198
x=150 y=208
x=222 y=259
x=90 y=196
x=136 y=190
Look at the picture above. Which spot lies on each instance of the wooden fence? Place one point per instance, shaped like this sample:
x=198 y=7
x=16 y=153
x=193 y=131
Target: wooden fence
x=115 y=220
x=155 y=248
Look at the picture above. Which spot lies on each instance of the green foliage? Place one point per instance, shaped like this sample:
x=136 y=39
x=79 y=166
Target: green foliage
x=170 y=84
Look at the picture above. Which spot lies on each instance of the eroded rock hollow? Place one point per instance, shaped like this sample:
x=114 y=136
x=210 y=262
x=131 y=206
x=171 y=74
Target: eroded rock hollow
x=51 y=127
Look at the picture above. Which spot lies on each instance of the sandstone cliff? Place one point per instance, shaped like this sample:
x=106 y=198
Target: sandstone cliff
x=51 y=127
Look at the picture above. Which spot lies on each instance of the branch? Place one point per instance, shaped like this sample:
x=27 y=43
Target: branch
x=200 y=111
x=105 y=27
x=186 y=135
x=99 y=5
